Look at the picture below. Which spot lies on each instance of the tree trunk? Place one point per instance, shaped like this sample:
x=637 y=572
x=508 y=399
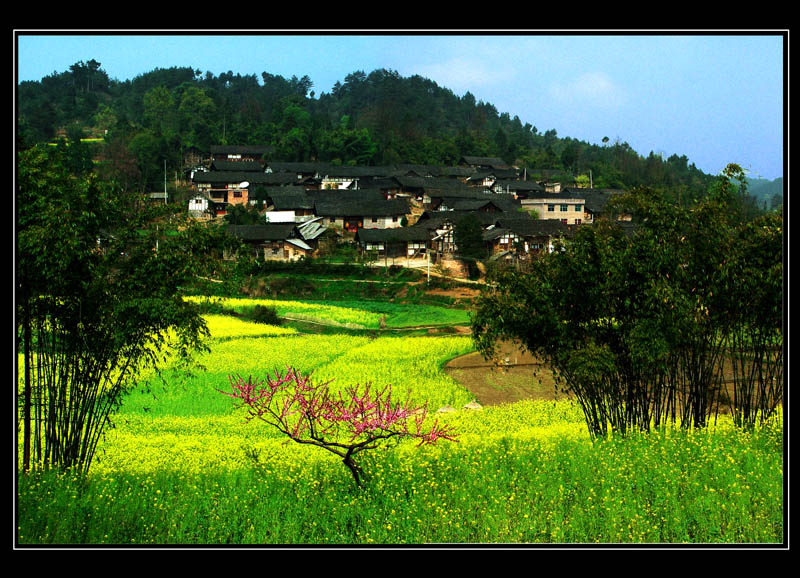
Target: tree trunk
x=354 y=469
x=27 y=391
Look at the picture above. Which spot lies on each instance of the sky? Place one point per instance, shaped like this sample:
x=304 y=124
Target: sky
x=715 y=97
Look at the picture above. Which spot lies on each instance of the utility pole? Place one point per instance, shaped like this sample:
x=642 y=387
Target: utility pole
x=428 y=253
x=165 y=181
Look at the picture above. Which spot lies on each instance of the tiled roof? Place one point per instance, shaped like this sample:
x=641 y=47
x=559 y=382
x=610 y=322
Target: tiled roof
x=355 y=171
x=493 y=162
x=236 y=149
x=266 y=232
x=359 y=208
x=395 y=234
x=288 y=198
x=296 y=167
x=514 y=186
x=246 y=166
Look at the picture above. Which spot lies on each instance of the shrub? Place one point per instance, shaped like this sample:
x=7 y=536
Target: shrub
x=265 y=314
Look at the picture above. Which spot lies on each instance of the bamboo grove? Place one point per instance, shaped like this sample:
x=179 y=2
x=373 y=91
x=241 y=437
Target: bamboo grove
x=657 y=318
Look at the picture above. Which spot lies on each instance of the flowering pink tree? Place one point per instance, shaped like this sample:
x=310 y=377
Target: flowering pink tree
x=342 y=423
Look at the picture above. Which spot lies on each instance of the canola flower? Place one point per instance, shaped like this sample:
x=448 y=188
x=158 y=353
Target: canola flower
x=182 y=467
x=330 y=314
x=227 y=327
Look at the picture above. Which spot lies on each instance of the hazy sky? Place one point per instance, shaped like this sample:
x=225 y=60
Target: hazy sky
x=716 y=98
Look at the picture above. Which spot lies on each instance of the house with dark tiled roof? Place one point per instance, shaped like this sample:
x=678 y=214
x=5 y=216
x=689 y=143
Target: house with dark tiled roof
x=272 y=241
x=240 y=166
x=487 y=179
x=459 y=173
x=347 y=177
x=287 y=204
x=450 y=199
x=405 y=242
x=303 y=171
x=508 y=237
x=239 y=153
x=350 y=215
x=484 y=163
x=224 y=188
x=519 y=189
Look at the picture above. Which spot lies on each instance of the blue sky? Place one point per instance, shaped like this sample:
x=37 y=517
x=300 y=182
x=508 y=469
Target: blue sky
x=716 y=98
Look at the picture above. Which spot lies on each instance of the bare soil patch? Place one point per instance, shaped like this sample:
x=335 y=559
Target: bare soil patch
x=514 y=376
x=465 y=293
x=517 y=375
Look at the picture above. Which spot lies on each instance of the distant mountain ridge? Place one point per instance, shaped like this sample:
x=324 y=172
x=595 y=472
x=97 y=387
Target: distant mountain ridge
x=373 y=119
x=762 y=188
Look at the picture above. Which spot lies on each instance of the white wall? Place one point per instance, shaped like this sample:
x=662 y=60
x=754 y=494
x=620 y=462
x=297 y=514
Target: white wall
x=279 y=216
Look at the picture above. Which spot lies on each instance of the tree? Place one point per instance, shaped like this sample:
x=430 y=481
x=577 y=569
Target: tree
x=243 y=215
x=468 y=237
x=197 y=113
x=98 y=304
x=343 y=423
x=638 y=326
x=159 y=111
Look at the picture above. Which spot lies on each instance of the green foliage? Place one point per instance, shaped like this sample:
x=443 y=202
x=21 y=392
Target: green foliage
x=243 y=215
x=468 y=238
x=98 y=301
x=266 y=315
x=638 y=326
x=504 y=482
x=182 y=468
x=368 y=119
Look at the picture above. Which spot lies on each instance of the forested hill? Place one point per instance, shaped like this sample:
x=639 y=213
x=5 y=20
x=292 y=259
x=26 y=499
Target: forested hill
x=767 y=194
x=377 y=118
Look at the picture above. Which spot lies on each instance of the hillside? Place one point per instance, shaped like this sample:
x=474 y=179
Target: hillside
x=367 y=119
x=767 y=194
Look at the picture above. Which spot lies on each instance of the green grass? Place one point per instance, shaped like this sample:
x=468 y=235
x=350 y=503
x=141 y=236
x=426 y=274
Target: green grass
x=347 y=314
x=702 y=487
x=182 y=467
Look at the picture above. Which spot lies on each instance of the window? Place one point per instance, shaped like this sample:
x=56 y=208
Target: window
x=579 y=208
x=551 y=208
x=564 y=208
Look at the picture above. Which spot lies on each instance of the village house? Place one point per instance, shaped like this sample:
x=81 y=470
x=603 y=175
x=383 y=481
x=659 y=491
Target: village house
x=238 y=153
x=351 y=214
x=484 y=163
x=321 y=239
x=272 y=241
x=521 y=237
x=519 y=189
x=408 y=243
x=595 y=202
x=200 y=206
x=287 y=204
x=400 y=211
x=465 y=198
x=237 y=166
x=306 y=172
x=567 y=207
x=347 y=177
